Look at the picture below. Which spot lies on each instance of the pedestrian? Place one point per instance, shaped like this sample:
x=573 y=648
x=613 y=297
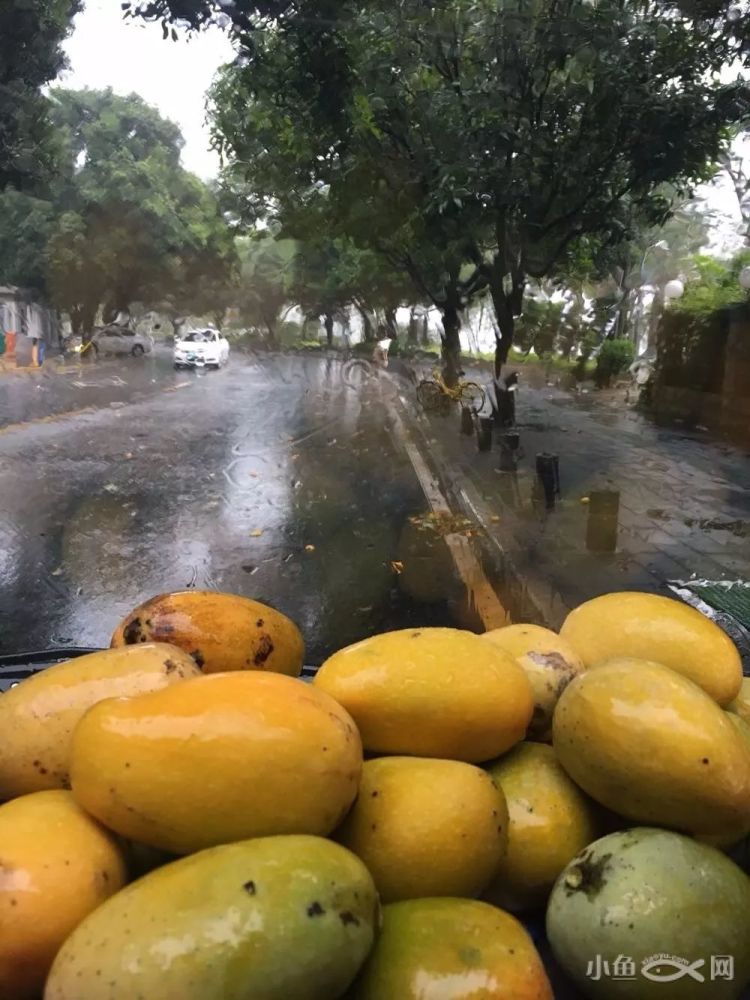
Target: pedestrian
x=380 y=354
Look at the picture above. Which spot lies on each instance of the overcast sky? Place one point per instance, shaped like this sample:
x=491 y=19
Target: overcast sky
x=107 y=51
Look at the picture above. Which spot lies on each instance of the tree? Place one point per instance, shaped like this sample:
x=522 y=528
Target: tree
x=31 y=55
x=735 y=162
x=264 y=284
x=472 y=143
x=25 y=226
x=132 y=224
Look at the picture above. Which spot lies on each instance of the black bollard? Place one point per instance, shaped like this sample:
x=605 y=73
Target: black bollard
x=484 y=433
x=512 y=440
x=548 y=473
x=467 y=420
x=601 y=528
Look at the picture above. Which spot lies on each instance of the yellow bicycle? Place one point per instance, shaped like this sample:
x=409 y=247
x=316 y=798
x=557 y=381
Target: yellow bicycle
x=434 y=395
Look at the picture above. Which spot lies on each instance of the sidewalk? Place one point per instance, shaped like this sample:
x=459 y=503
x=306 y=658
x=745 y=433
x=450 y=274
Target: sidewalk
x=684 y=500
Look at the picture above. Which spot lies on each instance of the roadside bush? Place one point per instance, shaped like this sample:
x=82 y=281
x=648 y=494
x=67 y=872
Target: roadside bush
x=614 y=357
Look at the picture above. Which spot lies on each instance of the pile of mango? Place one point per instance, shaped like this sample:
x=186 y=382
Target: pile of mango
x=184 y=818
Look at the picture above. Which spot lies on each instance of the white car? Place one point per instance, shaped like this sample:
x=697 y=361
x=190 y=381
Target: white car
x=201 y=349
x=121 y=340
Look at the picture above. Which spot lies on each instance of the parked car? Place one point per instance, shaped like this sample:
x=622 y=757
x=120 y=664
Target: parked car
x=200 y=348
x=122 y=340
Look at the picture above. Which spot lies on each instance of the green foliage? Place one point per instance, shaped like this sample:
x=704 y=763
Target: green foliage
x=478 y=133
x=539 y=326
x=714 y=286
x=614 y=357
x=264 y=285
x=122 y=221
x=31 y=55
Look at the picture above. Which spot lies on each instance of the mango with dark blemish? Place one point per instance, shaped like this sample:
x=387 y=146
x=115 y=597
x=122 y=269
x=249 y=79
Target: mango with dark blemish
x=38 y=716
x=217 y=758
x=221 y=632
x=660 y=900
x=549 y=662
x=56 y=866
x=277 y=918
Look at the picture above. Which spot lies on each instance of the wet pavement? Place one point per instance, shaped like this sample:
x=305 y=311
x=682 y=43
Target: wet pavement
x=270 y=478
x=639 y=505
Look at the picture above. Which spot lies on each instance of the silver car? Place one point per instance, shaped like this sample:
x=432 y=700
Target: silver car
x=122 y=340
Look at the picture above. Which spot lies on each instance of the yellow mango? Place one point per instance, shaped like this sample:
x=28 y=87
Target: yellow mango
x=215 y=759
x=550 y=821
x=549 y=662
x=56 y=866
x=741 y=704
x=451 y=949
x=431 y=692
x=277 y=918
x=220 y=631
x=650 y=627
x=427 y=827
x=649 y=744
x=38 y=716
x=730 y=837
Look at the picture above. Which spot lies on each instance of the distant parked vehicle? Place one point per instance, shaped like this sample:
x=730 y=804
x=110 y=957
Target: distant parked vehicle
x=122 y=340
x=204 y=348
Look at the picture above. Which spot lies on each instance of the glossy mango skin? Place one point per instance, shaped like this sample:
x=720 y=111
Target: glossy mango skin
x=550 y=663
x=426 y=827
x=457 y=949
x=277 y=918
x=56 y=866
x=651 y=627
x=38 y=716
x=741 y=704
x=551 y=820
x=221 y=632
x=651 y=746
x=219 y=758
x=645 y=892
x=431 y=692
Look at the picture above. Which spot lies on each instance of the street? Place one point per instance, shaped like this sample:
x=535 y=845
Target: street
x=270 y=478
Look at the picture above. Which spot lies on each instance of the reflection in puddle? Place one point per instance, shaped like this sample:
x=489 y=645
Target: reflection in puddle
x=601 y=527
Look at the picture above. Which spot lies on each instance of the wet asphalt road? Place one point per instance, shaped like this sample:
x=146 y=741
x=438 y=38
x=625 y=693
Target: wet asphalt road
x=123 y=479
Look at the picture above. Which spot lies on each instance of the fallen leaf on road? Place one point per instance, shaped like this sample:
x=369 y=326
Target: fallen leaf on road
x=397 y=567
x=256 y=533
x=495 y=517
x=585 y=499
x=110 y=488
x=309 y=548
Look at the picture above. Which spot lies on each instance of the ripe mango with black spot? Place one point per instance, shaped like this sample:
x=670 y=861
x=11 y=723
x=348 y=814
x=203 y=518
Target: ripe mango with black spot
x=215 y=759
x=645 y=893
x=220 y=631
x=38 y=716
x=277 y=918
x=427 y=827
x=549 y=662
x=651 y=627
x=431 y=692
x=451 y=949
x=551 y=820
x=649 y=744
x=56 y=866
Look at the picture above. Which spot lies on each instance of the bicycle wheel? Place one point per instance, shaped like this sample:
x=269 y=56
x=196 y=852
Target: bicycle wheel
x=430 y=396
x=473 y=395
x=357 y=373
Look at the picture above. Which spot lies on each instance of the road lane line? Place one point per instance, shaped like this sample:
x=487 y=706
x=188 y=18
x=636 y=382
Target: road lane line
x=482 y=594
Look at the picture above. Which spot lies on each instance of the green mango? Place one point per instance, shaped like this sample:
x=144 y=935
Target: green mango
x=276 y=918
x=635 y=908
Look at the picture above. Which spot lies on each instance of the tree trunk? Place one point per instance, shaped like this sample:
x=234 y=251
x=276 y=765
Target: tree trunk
x=391 y=323
x=412 y=336
x=451 y=342
x=654 y=319
x=367 y=330
x=506 y=307
x=425 y=331
x=328 y=324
